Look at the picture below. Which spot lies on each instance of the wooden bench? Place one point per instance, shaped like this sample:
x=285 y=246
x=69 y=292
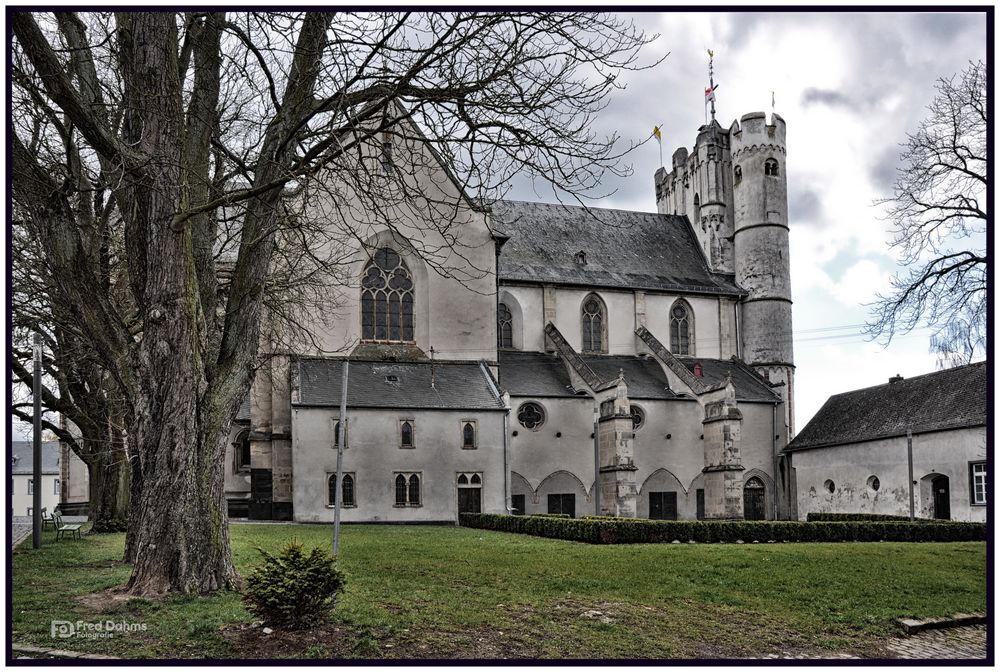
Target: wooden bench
x=62 y=528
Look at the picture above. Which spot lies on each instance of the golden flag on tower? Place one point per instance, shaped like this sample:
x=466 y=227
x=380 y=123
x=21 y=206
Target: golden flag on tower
x=656 y=132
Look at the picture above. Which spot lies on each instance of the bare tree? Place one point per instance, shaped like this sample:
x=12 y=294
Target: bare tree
x=75 y=386
x=204 y=118
x=939 y=216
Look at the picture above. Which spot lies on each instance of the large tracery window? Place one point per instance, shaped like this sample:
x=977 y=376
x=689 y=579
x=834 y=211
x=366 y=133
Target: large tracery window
x=505 y=327
x=592 y=315
x=387 y=299
x=681 y=332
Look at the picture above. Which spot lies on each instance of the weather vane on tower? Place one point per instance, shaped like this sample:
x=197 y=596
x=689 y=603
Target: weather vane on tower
x=712 y=86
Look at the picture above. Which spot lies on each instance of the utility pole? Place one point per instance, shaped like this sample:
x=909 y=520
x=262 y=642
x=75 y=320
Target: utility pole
x=341 y=436
x=909 y=467
x=597 y=462
x=36 y=464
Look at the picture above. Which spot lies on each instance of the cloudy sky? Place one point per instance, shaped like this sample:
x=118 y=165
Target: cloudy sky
x=849 y=87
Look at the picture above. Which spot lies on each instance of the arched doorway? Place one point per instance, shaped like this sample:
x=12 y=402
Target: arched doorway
x=753 y=499
x=941 y=496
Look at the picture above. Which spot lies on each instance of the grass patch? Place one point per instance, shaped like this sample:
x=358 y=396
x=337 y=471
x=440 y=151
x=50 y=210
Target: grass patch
x=441 y=592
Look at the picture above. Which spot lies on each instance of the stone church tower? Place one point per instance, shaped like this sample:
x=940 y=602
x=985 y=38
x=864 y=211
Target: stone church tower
x=732 y=187
x=760 y=197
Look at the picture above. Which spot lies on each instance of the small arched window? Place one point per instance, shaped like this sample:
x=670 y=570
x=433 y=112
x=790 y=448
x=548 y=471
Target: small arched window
x=476 y=480
x=505 y=327
x=594 y=320
x=406 y=434
x=347 y=488
x=413 y=491
x=400 y=490
x=387 y=299
x=681 y=331
x=468 y=435
x=331 y=486
x=737 y=175
x=771 y=168
x=243 y=451
x=697 y=201
x=463 y=479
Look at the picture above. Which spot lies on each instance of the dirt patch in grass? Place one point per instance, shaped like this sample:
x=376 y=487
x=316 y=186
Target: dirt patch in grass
x=104 y=600
x=325 y=641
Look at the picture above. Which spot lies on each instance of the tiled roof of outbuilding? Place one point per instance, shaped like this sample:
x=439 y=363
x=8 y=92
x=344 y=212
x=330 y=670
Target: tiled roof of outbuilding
x=21 y=454
x=633 y=250
x=459 y=386
x=948 y=399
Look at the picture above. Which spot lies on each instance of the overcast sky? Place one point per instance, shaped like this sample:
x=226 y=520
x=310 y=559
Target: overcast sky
x=849 y=87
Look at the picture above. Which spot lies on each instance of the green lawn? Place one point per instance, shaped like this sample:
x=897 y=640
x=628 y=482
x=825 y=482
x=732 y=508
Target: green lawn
x=438 y=592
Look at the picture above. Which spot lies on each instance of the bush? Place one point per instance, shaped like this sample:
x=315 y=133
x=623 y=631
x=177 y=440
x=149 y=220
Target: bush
x=293 y=589
x=606 y=530
x=816 y=517
x=550 y=515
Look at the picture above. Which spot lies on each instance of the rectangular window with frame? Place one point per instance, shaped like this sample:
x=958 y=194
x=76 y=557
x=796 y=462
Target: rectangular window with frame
x=55 y=489
x=407 y=488
x=31 y=486
x=977 y=483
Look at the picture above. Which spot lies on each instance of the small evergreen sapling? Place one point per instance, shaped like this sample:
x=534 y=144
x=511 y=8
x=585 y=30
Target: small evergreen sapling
x=293 y=589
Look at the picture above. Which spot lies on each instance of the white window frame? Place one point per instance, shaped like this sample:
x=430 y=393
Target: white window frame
x=974 y=499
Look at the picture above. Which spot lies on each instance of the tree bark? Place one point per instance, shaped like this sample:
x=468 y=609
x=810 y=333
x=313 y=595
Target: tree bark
x=109 y=488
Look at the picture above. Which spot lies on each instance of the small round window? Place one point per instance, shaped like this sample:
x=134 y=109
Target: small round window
x=531 y=415
x=830 y=486
x=638 y=417
x=873 y=483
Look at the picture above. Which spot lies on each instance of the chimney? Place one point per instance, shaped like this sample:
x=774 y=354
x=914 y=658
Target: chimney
x=895 y=379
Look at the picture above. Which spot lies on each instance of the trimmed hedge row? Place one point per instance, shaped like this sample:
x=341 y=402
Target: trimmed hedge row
x=817 y=517
x=640 y=531
x=551 y=515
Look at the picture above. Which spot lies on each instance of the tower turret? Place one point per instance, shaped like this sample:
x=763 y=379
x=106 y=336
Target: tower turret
x=700 y=186
x=760 y=200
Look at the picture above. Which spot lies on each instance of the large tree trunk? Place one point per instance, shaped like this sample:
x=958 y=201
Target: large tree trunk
x=109 y=488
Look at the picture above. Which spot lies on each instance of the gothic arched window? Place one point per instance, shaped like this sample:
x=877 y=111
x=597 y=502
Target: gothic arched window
x=593 y=318
x=406 y=434
x=400 y=490
x=242 y=461
x=331 y=485
x=771 y=168
x=387 y=299
x=347 y=490
x=505 y=327
x=737 y=175
x=468 y=435
x=681 y=329
x=413 y=491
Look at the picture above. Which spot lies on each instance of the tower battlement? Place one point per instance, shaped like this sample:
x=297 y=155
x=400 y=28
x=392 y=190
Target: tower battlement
x=753 y=131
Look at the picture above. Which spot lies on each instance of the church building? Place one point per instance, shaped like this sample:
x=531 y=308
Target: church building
x=572 y=360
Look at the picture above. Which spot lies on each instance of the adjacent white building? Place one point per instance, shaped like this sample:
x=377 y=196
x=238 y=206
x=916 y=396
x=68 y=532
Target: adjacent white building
x=22 y=483
x=853 y=456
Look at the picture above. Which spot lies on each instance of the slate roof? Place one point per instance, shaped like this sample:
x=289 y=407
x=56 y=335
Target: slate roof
x=21 y=453
x=243 y=414
x=626 y=249
x=537 y=374
x=458 y=386
x=749 y=385
x=949 y=399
